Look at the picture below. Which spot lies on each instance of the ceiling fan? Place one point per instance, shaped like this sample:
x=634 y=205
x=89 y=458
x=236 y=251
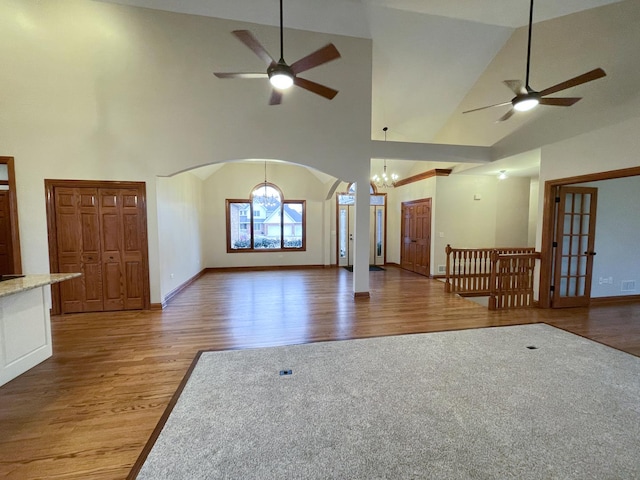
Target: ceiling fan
x=281 y=75
x=527 y=98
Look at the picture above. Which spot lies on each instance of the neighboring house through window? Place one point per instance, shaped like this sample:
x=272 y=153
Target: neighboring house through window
x=265 y=222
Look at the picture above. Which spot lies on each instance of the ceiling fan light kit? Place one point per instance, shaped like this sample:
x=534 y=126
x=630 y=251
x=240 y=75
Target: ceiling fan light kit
x=527 y=98
x=526 y=102
x=280 y=74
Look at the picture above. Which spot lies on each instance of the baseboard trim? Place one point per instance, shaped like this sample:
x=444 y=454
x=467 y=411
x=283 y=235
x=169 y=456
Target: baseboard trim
x=263 y=268
x=614 y=300
x=179 y=288
x=361 y=295
x=155 y=306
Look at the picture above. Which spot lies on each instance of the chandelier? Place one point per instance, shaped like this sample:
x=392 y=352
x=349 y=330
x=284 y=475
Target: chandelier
x=265 y=195
x=385 y=180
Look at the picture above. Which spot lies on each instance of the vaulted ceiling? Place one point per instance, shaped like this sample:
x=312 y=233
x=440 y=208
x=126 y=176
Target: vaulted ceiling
x=434 y=59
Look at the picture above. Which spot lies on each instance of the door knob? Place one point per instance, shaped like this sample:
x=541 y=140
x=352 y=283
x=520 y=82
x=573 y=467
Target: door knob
x=590 y=253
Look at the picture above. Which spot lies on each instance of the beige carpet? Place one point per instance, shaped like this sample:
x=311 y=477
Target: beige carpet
x=522 y=402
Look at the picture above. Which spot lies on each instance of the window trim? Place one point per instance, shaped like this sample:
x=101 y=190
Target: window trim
x=303 y=248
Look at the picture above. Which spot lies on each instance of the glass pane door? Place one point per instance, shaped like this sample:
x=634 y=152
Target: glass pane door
x=574 y=241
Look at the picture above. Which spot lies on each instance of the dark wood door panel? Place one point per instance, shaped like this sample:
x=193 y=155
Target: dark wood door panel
x=100 y=231
x=6 y=248
x=415 y=251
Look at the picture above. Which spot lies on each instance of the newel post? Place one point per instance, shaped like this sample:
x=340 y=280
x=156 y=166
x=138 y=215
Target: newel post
x=447 y=283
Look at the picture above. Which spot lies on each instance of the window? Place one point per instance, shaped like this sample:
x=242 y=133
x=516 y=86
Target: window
x=265 y=222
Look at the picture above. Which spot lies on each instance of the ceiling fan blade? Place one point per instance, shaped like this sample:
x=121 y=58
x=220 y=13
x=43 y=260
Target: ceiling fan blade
x=488 y=106
x=325 y=54
x=579 y=80
x=506 y=116
x=240 y=75
x=246 y=37
x=276 y=97
x=560 y=102
x=316 y=88
x=516 y=86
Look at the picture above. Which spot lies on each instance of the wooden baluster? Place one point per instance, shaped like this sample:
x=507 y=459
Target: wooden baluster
x=493 y=282
x=447 y=283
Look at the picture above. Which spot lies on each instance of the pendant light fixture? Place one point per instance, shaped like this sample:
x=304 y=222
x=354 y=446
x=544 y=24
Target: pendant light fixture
x=385 y=180
x=266 y=199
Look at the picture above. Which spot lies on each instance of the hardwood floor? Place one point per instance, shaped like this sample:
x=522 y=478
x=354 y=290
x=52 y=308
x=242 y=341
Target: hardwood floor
x=87 y=412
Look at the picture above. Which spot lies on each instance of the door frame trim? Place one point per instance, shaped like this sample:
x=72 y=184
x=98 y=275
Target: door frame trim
x=49 y=186
x=337 y=214
x=13 y=212
x=546 y=247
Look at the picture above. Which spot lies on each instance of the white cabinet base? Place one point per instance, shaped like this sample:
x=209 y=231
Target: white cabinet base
x=25 y=332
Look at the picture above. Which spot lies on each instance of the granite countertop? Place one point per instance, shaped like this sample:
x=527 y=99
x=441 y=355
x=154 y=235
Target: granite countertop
x=20 y=284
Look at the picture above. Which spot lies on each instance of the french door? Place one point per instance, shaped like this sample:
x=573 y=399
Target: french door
x=573 y=246
x=346 y=228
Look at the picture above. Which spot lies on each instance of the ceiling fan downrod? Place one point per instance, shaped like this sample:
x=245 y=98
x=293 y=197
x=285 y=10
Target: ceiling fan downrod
x=280 y=74
x=528 y=46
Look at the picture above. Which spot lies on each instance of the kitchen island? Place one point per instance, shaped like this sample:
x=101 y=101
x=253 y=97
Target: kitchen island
x=25 y=324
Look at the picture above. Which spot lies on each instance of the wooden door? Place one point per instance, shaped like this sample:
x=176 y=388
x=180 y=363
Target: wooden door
x=6 y=248
x=101 y=232
x=134 y=245
x=77 y=237
x=574 y=246
x=415 y=253
x=408 y=228
x=10 y=258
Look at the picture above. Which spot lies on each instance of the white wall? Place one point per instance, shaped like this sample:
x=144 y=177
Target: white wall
x=99 y=91
x=464 y=221
x=534 y=191
x=395 y=197
x=617 y=236
x=611 y=148
x=181 y=216
x=236 y=181
x=499 y=217
x=512 y=212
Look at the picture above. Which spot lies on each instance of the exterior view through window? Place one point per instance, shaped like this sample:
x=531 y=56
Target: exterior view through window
x=265 y=222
